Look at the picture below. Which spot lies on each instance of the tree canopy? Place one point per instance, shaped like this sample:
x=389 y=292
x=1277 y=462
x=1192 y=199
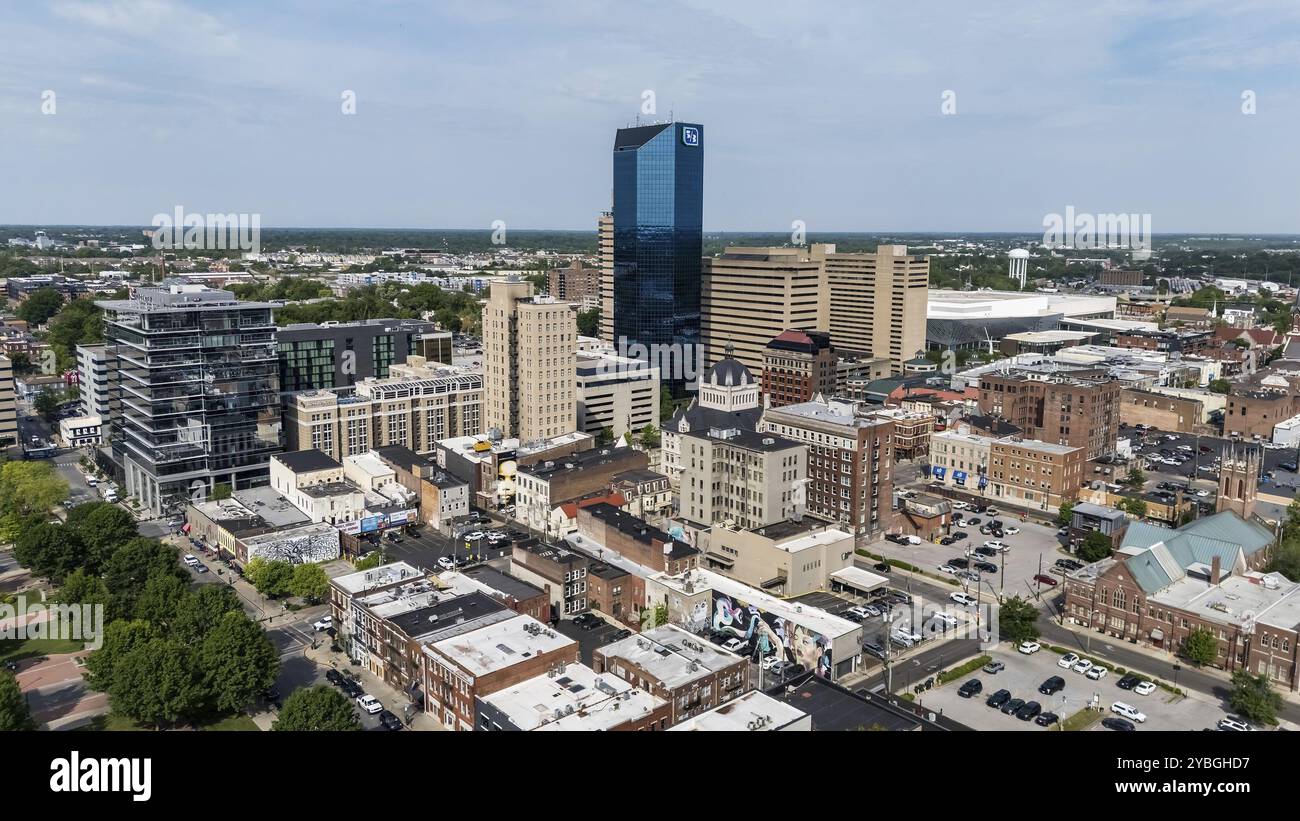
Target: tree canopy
x=317 y=709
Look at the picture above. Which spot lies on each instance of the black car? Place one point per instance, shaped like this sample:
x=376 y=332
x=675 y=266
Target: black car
x=959 y=535
x=971 y=688
x=1030 y=711
x=585 y=620
x=1128 y=682
x=1052 y=686
x=620 y=635
x=974 y=520
x=986 y=551
x=334 y=677
x=1116 y=723
x=881 y=567
x=1046 y=719
x=720 y=637
x=1291 y=466
x=959 y=563
x=947 y=540
x=1013 y=706
x=353 y=688
x=986 y=567
x=998 y=699
x=389 y=721
x=874 y=649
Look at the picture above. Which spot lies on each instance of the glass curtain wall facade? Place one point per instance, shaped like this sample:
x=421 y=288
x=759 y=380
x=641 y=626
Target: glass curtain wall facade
x=198 y=386
x=658 y=243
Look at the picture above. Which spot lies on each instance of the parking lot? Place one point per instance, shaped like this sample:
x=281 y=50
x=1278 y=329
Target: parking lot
x=428 y=546
x=1025 y=673
x=1017 y=567
x=1277 y=480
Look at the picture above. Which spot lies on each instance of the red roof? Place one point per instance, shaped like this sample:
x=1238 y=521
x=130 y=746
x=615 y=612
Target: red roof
x=571 y=508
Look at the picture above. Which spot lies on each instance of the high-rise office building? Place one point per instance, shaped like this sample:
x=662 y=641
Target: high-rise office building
x=605 y=251
x=530 y=346
x=341 y=354
x=748 y=296
x=96 y=378
x=878 y=302
x=658 y=243
x=198 y=383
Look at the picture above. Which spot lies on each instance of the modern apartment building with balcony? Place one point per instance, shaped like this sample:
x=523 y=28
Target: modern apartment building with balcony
x=198 y=391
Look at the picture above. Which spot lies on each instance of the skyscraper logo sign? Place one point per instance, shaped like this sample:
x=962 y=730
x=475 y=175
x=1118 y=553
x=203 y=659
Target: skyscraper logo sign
x=690 y=136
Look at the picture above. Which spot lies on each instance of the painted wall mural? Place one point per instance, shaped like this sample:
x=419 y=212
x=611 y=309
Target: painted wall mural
x=766 y=633
x=301 y=548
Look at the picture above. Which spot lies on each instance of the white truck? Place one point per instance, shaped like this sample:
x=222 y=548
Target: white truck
x=109 y=492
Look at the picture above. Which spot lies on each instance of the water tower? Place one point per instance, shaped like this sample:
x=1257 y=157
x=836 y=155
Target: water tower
x=1019 y=266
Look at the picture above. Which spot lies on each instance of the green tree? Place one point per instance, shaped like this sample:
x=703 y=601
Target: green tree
x=47 y=404
x=317 y=709
x=14 y=714
x=239 y=662
x=309 y=582
x=1135 y=478
x=1018 y=620
x=1095 y=547
x=198 y=612
x=369 y=561
x=220 y=491
x=120 y=638
x=49 y=550
x=160 y=599
x=1200 y=647
x=30 y=488
x=79 y=322
x=79 y=587
x=271 y=578
x=103 y=528
x=1254 y=697
x=589 y=322
x=1134 y=505
x=40 y=305
x=650 y=437
x=131 y=565
x=157 y=683
x=605 y=437
x=1065 y=514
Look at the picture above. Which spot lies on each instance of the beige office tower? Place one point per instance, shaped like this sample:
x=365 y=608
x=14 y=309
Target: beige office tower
x=530 y=346
x=748 y=296
x=605 y=249
x=8 y=406
x=878 y=302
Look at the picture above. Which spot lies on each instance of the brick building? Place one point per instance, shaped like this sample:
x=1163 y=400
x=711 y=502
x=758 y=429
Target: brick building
x=797 y=366
x=635 y=539
x=1254 y=413
x=1160 y=411
x=1078 y=410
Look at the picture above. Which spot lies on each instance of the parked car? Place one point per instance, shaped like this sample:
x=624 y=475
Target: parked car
x=1128 y=711
x=734 y=645
x=1096 y=672
x=389 y=721
x=619 y=635
x=1043 y=578
x=1112 y=723
x=1029 y=647
x=986 y=567
x=1029 y=711
x=947 y=540
x=1011 y=531
x=1012 y=706
x=771 y=660
x=200 y=568
x=959 y=563
x=881 y=567
x=971 y=688
x=998 y=699
x=947 y=568
x=874 y=649
x=1046 y=719
x=369 y=704
x=901 y=640
x=1067 y=661
x=446 y=563
x=1234 y=725
x=1081 y=666
x=1128 y=682
x=994 y=667
x=959 y=535
x=1052 y=686
x=1145 y=688
x=323 y=623
x=190 y=559
x=857 y=613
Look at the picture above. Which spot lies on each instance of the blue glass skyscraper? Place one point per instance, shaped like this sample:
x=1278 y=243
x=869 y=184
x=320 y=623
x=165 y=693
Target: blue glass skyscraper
x=658 y=242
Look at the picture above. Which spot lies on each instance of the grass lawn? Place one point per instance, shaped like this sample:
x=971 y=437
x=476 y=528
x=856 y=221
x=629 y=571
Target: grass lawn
x=116 y=723
x=1082 y=720
x=18 y=649
x=237 y=723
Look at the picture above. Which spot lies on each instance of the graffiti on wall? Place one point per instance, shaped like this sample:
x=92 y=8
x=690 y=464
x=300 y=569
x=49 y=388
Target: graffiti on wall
x=765 y=633
x=300 y=548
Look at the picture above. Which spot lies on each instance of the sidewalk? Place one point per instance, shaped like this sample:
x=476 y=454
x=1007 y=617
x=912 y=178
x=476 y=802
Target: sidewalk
x=392 y=699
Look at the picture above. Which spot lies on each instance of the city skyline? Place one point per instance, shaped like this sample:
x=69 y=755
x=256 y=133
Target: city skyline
x=841 y=128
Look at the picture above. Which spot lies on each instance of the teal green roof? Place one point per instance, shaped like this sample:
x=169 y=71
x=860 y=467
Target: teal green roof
x=1229 y=527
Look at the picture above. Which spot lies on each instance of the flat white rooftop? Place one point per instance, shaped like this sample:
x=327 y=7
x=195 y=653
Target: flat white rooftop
x=502 y=645
x=573 y=698
x=755 y=711
x=670 y=654
x=362 y=580
x=812 y=618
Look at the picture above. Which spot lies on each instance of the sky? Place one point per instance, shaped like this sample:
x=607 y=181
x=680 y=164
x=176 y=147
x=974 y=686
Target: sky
x=831 y=113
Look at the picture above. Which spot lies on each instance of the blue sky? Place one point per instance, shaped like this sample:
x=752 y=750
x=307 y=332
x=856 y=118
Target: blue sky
x=469 y=112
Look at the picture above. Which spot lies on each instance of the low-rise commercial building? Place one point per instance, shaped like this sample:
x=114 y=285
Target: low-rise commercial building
x=785 y=559
x=755 y=711
x=573 y=698
x=541 y=487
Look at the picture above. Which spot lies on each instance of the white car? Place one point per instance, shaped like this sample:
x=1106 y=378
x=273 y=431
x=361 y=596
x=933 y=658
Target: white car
x=1082 y=666
x=191 y=559
x=1011 y=531
x=996 y=545
x=475 y=536
x=1234 y=724
x=1067 y=661
x=733 y=645
x=1144 y=688
x=369 y=704
x=772 y=660
x=1029 y=647
x=963 y=599
x=959 y=505
x=860 y=612
x=323 y=623
x=446 y=563
x=1096 y=672
x=991 y=512
x=1202 y=493
x=1187 y=448
x=1128 y=711
x=947 y=568
x=946 y=619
